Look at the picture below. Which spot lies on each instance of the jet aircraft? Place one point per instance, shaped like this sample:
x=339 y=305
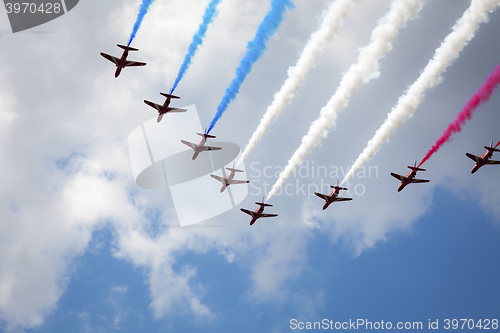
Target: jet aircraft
x=122 y=62
x=198 y=148
x=162 y=109
x=410 y=177
x=259 y=212
x=484 y=159
x=226 y=181
x=334 y=196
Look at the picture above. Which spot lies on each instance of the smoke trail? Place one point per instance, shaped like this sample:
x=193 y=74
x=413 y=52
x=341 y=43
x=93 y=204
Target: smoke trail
x=450 y=48
x=497 y=144
x=210 y=13
x=359 y=73
x=255 y=49
x=140 y=16
x=337 y=11
x=482 y=95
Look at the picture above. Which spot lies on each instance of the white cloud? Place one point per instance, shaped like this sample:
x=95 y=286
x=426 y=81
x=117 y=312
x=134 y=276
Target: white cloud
x=60 y=102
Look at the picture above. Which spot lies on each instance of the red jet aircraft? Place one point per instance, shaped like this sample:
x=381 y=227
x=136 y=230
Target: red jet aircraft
x=162 y=109
x=122 y=62
x=410 y=177
x=226 y=181
x=259 y=212
x=198 y=148
x=334 y=196
x=485 y=159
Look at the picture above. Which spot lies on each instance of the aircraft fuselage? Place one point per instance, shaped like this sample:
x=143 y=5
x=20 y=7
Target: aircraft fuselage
x=199 y=148
x=230 y=177
x=258 y=214
x=483 y=160
x=165 y=108
x=331 y=198
x=407 y=179
x=121 y=64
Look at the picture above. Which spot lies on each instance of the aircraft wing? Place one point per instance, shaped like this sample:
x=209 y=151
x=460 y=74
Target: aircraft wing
x=212 y=148
x=492 y=162
x=153 y=105
x=249 y=212
x=239 y=181
x=398 y=177
x=190 y=144
x=472 y=157
x=223 y=180
x=129 y=63
x=115 y=60
x=343 y=199
x=268 y=215
x=420 y=180
x=322 y=196
x=176 y=110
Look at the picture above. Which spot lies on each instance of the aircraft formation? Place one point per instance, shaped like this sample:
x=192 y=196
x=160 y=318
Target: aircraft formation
x=482 y=160
x=448 y=50
x=202 y=146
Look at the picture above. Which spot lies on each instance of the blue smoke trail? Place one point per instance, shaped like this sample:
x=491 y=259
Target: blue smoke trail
x=142 y=12
x=255 y=49
x=210 y=13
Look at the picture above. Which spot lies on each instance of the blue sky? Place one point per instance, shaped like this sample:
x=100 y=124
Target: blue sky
x=442 y=268
x=84 y=249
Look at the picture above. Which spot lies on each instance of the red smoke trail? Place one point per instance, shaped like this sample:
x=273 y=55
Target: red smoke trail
x=482 y=95
x=497 y=144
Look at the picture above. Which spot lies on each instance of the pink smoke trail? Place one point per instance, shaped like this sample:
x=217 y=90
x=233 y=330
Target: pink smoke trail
x=482 y=95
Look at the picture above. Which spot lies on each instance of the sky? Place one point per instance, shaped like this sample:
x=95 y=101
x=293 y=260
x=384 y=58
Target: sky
x=84 y=249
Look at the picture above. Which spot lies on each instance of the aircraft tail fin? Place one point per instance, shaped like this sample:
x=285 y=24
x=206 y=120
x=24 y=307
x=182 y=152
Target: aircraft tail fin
x=263 y=204
x=235 y=170
x=491 y=148
x=339 y=187
x=169 y=95
x=127 y=47
x=414 y=168
x=206 y=135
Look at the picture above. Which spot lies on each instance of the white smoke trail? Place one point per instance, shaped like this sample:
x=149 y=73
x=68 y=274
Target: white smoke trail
x=337 y=11
x=450 y=48
x=367 y=66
